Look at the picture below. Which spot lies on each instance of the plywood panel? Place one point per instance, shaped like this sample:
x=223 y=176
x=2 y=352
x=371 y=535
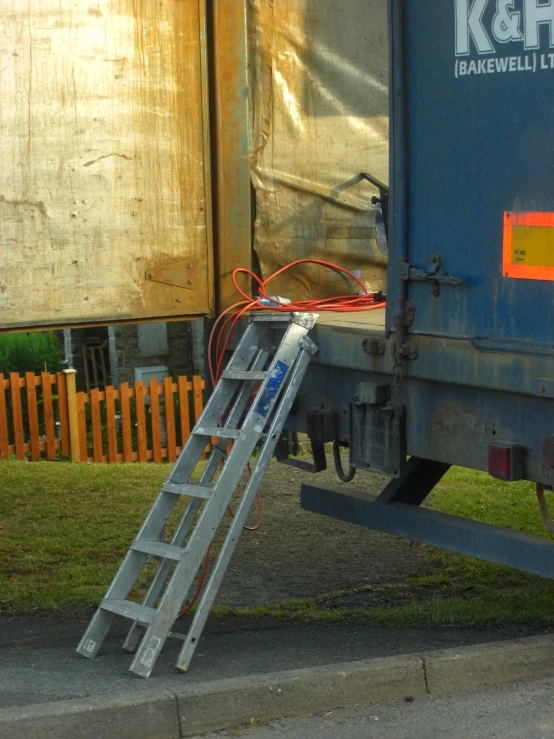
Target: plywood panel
x=102 y=184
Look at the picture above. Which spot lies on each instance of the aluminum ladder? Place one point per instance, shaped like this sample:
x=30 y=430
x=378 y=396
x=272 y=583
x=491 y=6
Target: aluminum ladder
x=250 y=403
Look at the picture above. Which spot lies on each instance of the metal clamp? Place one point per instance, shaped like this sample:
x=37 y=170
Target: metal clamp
x=434 y=275
x=409 y=351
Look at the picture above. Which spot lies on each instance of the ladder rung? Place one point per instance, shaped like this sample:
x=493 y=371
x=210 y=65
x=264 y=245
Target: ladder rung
x=190 y=489
x=223 y=433
x=130 y=609
x=231 y=374
x=158 y=549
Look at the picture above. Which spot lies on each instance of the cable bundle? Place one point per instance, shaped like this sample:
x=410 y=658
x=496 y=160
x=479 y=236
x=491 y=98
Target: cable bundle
x=227 y=321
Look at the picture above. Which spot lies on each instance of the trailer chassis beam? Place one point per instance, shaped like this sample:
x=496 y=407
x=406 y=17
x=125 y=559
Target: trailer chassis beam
x=396 y=511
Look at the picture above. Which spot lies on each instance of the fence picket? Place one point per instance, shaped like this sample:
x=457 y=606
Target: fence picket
x=155 y=419
x=170 y=419
x=111 y=421
x=125 y=403
x=81 y=399
x=32 y=415
x=48 y=413
x=197 y=385
x=4 y=439
x=64 y=414
x=141 y=421
x=17 y=415
x=184 y=416
x=96 y=420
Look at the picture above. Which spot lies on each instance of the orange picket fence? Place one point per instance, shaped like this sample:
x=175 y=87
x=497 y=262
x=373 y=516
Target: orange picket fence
x=34 y=416
x=43 y=417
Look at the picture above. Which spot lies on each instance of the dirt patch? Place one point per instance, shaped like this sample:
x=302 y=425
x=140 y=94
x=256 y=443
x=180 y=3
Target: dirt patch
x=297 y=554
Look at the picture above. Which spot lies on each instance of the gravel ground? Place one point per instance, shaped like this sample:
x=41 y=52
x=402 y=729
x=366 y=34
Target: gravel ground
x=297 y=554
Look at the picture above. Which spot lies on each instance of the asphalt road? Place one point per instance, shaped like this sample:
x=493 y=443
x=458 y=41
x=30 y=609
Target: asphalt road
x=515 y=711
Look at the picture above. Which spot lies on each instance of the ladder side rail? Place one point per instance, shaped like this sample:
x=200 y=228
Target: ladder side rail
x=241 y=513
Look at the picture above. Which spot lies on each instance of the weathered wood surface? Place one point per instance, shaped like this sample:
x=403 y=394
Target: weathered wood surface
x=102 y=189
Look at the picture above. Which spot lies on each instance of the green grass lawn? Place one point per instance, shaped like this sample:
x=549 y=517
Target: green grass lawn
x=65 y=528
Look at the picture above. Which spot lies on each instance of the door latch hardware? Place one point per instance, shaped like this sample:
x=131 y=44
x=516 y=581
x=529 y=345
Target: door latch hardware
x=434 y=275
x=409 y=351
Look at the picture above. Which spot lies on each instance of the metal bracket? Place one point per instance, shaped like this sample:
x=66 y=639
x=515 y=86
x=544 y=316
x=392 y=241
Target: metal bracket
x=409 y=351
x=382 y=200
x=434 y=275
x=307 y=345
x=374 y=345
x=318 y=453
x=322 y=426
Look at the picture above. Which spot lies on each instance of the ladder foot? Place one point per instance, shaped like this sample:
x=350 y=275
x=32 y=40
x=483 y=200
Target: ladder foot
x=95 y=634
x=133 y=638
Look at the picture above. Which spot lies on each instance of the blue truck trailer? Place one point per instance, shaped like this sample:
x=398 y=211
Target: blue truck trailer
x=458 y=369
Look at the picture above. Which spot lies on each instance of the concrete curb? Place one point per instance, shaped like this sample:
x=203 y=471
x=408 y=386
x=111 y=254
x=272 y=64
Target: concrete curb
x=210 y=706
x=501 y=662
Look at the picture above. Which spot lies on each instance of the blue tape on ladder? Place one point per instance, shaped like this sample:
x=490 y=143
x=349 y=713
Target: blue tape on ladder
x=272 y=388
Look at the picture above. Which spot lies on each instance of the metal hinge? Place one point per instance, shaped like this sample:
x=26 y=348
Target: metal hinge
x=434 y=275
